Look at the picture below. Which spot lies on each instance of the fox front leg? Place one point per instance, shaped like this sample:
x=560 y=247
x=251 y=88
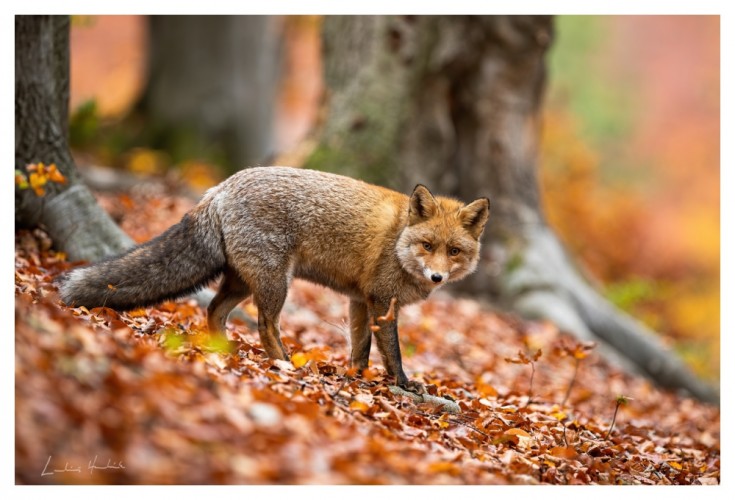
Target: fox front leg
x=386 y=336
x=360 y=335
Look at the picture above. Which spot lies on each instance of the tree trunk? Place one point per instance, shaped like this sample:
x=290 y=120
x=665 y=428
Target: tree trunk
x=211 y=86
x=454 y=102
x=68 y=212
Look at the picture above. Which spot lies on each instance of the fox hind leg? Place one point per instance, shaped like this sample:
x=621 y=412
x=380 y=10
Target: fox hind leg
x=232 y=291
x=270 y=296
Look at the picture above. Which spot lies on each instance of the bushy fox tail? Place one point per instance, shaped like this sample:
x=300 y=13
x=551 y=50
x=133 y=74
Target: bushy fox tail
x=178 y=262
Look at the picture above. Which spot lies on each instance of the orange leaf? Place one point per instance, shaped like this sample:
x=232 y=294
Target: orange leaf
x=563 y=452
x=448 y=467
x=317 y=354
x=358 y=405
x=515 y=431
x=486 y=390
x=582 y=350
x=55 y=175
x=391 y=314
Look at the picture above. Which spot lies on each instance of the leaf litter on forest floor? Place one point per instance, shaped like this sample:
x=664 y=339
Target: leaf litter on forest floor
x=150 y=390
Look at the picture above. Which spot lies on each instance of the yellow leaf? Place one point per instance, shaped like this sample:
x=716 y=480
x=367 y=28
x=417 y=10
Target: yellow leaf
x=37 y=181
x=299 y=359
x=146 y=161
x=675 y=465
x=214 y=343
x=173 y=342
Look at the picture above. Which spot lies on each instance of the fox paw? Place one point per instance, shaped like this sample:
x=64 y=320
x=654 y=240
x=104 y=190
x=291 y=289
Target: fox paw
x=412 y=386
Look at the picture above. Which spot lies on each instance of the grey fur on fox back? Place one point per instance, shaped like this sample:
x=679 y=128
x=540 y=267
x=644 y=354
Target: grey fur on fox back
x=263 y=226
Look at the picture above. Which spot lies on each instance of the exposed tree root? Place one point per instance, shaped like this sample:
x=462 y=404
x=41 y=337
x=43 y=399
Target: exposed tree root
x=545 y=284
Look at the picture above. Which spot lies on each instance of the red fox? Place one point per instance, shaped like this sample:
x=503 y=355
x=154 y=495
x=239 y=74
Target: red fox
x=264 y=226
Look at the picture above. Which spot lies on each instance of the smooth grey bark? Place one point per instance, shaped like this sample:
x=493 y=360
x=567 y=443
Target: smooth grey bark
x=454 y=102
x=212 y=85
x=68 y=212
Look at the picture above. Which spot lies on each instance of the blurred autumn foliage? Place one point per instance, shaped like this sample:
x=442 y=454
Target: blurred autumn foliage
x=630 y=168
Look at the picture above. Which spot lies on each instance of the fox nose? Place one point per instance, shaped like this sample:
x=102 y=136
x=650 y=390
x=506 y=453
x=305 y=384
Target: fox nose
x=436 y=278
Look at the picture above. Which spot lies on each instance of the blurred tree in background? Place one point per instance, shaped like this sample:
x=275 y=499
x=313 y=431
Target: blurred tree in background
x=211 y=87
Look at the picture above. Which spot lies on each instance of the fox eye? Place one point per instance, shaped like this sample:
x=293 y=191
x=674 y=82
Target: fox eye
x=454 y=252
x=427 y=246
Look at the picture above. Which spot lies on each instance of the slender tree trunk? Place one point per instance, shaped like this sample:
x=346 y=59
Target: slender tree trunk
x=212 y=86
x=69 y=212
x=454 y=102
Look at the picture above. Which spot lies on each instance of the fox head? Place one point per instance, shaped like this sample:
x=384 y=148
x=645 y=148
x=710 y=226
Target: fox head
x=441 y=241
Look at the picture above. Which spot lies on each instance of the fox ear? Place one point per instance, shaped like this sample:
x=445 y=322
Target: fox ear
x=421 y=206
x=474 y=216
